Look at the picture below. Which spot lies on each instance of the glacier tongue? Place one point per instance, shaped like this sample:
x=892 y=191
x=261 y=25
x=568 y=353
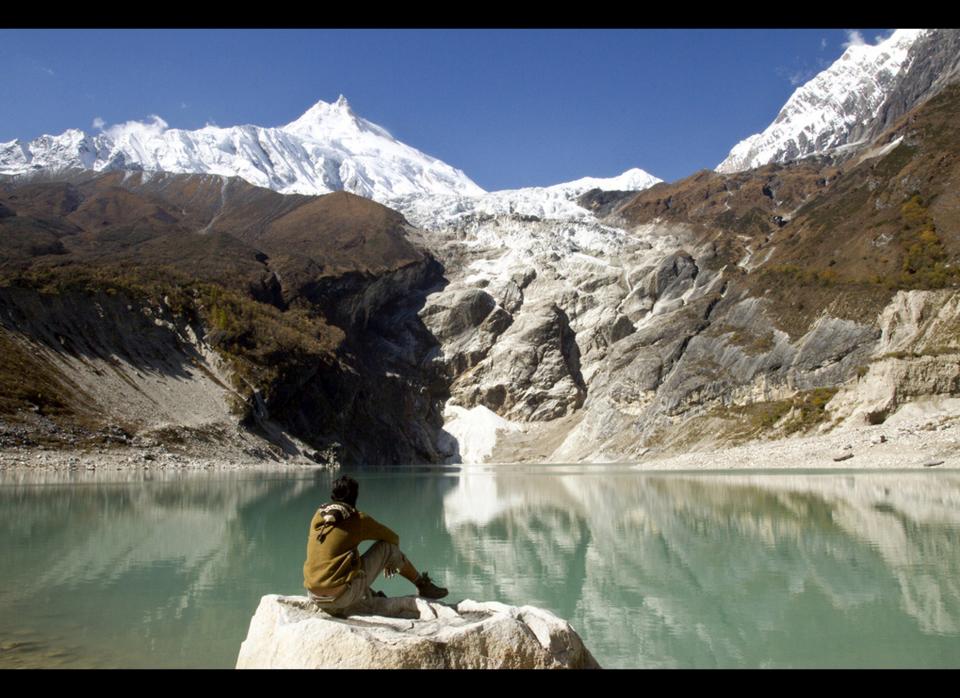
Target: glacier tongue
x=556 y=202
x=831 y=110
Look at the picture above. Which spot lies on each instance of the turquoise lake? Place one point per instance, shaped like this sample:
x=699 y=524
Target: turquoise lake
x=747 y=569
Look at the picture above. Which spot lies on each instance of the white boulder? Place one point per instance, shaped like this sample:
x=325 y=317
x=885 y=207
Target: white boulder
x=290 y=632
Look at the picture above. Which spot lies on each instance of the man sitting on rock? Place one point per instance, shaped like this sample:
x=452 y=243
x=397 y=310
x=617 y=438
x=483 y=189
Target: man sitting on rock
x=335 y=575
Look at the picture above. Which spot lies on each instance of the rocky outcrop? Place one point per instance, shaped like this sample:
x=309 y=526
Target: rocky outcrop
x=583 y=341
x=533 y=372
x=918 y=355
x=289 y=632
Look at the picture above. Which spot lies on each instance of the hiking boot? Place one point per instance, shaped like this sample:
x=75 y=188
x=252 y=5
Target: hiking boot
x=427 y=588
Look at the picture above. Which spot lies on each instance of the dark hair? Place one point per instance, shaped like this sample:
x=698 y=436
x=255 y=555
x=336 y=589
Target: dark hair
x=345 y=489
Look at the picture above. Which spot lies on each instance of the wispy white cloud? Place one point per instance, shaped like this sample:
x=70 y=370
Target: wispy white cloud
x=797 y=75
x=823 y=43
x=29 y=61
x=99 y=123
x=854 y=38
x=37 y=65
x=883 y=37
x=801 y=76
x=142 y=130
x=184 y=105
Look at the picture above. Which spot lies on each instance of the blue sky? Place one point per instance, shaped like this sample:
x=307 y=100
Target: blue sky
x=511 y=108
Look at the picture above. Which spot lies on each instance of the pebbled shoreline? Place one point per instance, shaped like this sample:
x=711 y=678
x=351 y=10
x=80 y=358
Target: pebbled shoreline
x=133 y=458
x=913 y=439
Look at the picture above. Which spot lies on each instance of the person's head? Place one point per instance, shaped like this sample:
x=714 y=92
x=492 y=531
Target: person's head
x=345 y=489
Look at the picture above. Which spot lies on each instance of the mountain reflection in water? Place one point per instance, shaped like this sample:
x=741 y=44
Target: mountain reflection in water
x=727 y=570
x=687 y=570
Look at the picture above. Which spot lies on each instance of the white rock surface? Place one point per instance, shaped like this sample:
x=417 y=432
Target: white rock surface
x=288 y=632
x=916 y=359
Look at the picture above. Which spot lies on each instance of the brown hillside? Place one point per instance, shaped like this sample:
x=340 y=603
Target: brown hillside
x=210 y=228
x=345 y=233
x=282 y=287
x=813 y=235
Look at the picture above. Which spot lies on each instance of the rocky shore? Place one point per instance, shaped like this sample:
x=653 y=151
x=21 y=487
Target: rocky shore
x=924 y=434
x=139 y=455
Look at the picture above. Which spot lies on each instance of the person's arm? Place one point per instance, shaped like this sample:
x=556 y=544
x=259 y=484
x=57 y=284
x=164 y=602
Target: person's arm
x=374 y=530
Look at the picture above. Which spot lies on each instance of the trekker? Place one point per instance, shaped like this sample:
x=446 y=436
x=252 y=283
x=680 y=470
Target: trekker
x=334 y=574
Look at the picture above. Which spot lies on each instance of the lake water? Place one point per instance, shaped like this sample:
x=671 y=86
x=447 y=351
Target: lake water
x=653 y=570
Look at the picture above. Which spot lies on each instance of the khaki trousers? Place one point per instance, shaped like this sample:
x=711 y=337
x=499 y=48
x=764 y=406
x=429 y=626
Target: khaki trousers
x=381 y=557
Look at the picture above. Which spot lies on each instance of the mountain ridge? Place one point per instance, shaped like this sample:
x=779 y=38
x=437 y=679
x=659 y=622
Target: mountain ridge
x=328 y=148
x=854 y=100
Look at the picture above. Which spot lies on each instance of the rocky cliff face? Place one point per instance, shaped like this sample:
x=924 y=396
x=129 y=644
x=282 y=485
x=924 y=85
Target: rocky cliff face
x=600 y=356
x=934 y=63
x=917 y=355
x=712 y=310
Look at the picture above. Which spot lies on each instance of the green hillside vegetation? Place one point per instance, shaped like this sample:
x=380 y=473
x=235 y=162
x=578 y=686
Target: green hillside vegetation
x=797 y=414
x=925 y=263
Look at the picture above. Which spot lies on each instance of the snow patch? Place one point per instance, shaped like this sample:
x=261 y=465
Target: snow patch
x=475 y=430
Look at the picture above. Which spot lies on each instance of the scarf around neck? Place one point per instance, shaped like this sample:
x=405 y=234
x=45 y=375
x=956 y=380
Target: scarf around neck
x=330 y=515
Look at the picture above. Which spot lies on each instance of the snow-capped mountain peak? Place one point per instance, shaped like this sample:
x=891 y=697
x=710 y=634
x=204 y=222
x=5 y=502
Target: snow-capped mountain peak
x=328 y=148
x=633 y=179
x=325 y=120
x=832 y=110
